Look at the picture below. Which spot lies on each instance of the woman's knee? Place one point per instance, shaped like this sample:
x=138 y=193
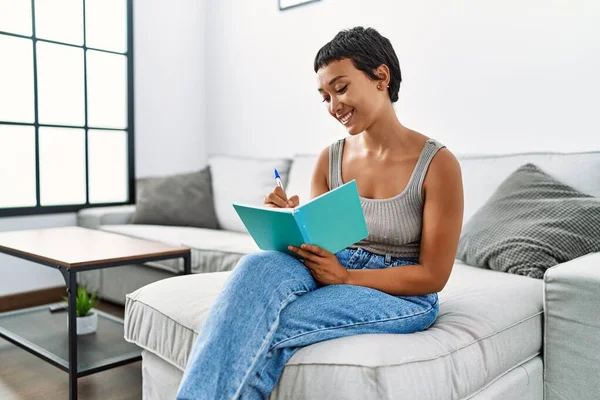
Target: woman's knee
x=263 y=260
x=271 y=265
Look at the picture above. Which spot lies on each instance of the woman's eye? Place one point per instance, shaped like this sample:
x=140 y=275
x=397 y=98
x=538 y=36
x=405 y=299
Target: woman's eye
x=342 y=90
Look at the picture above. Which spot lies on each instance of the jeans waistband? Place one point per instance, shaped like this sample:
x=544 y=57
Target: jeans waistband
x=359 y=252
x=387 y=257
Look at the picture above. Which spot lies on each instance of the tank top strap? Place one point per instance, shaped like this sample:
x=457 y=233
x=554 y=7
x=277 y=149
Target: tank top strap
x=335 y=156
x=430 y=149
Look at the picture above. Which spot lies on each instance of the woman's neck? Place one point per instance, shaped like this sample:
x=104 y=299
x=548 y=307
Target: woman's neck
x=386 y=134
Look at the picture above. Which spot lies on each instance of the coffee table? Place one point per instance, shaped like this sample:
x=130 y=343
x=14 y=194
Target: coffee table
x=53 y=336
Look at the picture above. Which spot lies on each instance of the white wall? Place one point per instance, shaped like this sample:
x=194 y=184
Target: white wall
x=480 y=76
x=169 y=51
x=169 y=48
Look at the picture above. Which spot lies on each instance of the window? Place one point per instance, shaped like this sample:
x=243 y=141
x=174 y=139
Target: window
x=66 y=105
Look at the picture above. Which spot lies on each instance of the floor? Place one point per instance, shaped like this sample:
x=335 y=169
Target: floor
x=24 y=376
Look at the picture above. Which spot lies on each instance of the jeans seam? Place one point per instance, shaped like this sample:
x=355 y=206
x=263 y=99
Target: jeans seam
x=352 y=260
x=433 y=306
x=352 y=324
x=368 y=258
x=265 y=340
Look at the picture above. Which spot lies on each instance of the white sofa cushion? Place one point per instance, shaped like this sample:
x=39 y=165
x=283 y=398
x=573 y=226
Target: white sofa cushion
x=242 y=180
x=211 y=250
x=482 y=174
x=301 y=176
x=489 y=323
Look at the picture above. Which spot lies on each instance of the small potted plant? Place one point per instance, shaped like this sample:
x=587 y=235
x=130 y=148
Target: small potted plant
x=87 y=318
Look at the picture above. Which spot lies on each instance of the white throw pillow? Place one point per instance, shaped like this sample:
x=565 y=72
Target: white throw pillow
x=245 y=180
x=300 y=176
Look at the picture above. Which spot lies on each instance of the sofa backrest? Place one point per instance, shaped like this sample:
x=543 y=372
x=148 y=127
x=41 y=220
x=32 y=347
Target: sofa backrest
x=300 y=176
x=248 y=180
x=244 y=180
x=482 y=174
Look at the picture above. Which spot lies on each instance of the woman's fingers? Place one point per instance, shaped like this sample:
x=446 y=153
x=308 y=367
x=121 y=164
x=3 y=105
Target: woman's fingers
x=277 y=198
x=280 y=192
x=311 y=265
x=307 y=255
x=277 y=201
x=294 y=201
x=315 y=250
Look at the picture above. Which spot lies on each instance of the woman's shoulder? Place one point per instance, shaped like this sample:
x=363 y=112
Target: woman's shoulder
x=338 y=143
x=443 y=157
x=322 y=167
x=326 y=153
x=444 y=169
x=442 y=154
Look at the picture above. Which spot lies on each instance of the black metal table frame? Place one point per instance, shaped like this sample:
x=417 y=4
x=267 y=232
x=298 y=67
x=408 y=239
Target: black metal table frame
x=70 y=276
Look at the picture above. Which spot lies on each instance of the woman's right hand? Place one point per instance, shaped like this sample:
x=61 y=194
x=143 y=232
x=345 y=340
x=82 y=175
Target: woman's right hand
x=278 y=199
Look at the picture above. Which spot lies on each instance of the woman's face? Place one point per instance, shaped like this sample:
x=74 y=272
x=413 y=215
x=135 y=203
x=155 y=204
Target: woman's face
x=351 y=97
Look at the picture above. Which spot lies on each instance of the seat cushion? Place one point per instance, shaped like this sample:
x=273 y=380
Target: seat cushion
x=212 y=249
x=489 y=323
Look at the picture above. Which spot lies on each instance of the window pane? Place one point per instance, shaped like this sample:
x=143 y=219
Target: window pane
x=15 y=16
x=62 y=166
x=17 y=166
x=60 y=84
x=107 y=90
x=107 y=151
x=16 y=79
x=59 y=20
x=106 y=24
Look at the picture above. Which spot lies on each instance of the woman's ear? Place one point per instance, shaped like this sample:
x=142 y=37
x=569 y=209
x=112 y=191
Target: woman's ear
x=383 y=72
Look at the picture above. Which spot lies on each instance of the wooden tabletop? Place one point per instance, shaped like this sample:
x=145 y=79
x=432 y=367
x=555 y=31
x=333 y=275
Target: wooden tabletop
x=74 y=246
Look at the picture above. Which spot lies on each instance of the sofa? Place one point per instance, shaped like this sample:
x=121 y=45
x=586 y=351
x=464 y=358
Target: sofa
x=498 y=335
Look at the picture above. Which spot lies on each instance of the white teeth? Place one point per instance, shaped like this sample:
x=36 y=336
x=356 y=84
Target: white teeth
x=346 y=117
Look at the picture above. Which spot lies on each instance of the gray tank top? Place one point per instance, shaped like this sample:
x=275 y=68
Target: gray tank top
x=395 y=223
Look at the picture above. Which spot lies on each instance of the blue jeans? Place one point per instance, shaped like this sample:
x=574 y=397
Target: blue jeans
x=271 y=306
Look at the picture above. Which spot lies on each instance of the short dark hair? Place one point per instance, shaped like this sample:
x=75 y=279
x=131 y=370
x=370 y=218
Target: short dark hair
x=367 y=50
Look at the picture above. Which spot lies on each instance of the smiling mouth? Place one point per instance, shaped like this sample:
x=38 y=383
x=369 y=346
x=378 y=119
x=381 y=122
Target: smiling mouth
x=345 y=118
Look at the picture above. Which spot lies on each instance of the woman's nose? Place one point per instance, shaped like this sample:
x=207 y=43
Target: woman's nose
x=334 y=106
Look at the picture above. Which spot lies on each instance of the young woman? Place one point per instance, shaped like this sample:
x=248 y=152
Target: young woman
x=411 y=194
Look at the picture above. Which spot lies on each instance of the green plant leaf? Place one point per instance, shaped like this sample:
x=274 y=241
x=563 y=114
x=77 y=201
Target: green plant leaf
x=84 y=301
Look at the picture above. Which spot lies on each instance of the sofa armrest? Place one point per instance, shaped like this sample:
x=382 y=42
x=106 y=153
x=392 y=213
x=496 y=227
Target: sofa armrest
x=572 y=329
x=114 y=215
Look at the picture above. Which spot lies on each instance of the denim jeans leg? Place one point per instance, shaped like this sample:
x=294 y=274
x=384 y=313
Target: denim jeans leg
x=239 y=329
x=332 y=312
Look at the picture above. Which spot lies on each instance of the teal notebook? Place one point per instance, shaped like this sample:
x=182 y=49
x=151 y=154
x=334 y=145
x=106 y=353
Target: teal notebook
x=333 y=221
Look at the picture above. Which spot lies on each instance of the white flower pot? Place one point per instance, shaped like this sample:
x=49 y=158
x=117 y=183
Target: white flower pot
x=87 y=324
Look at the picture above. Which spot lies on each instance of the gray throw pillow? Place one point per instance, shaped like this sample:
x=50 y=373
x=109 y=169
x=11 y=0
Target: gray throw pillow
x=181 y=200
x=531 y=223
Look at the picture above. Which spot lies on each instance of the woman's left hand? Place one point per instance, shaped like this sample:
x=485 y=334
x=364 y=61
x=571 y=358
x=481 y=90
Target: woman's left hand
x=323 y=265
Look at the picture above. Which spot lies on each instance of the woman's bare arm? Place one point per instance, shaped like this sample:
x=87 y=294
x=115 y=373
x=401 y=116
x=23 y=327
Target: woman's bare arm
x=442 y=224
